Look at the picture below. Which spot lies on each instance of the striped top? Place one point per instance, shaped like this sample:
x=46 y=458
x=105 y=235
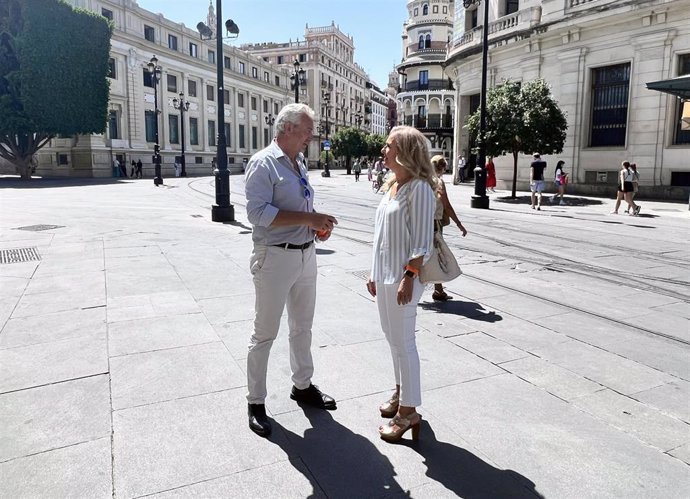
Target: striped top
x=404 y=230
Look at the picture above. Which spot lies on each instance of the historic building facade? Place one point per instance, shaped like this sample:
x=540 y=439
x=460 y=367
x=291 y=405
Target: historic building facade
x=254 y=89
x=426 y=96
x=597 y=55
x=333 y=84
x=379 y=121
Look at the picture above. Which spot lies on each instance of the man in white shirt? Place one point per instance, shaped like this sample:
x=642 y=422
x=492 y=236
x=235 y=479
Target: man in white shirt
x=280 y=207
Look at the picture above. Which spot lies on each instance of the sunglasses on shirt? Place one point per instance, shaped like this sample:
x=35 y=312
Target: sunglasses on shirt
x=304 y=183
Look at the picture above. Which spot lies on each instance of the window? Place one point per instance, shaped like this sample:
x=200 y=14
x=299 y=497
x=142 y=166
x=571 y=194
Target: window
x=302 y=57
x=63 y=159
x=610 y=86
x=421 y=42
x=227 y=62
x=255 y=135
x=512 y=6
x=435 y=9
x=240 y=67
x=194 y=131
x=212 y=133
x=425 y=9
x=226 y=97
x=276 y=108
x=280 y=59
x=474 y=19
x=255 y=72
x=211 y=57
x=267 y=77
x=113 y=125
x=241 y=137
x=191 y=88
x=210 y=93
x=172 y=42
x=253 y=102
x=416 y=12
x=427 y=42
x=265 y=106
x=199 y=160
x=173 y=126
x=149 y=33
x=108 y=14
x=148 y=78
x=112 y=73
x=445 y=9
x=277 y=81
x=172 y=83
x=150 y=122
x=267 y=140
x=228 y=133
x=193 y=49
x=424 y=79
x=682 y=136
x=240 y=100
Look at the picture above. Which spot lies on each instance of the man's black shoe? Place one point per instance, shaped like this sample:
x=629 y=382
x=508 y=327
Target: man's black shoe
x=258 y=422
x=314 y=397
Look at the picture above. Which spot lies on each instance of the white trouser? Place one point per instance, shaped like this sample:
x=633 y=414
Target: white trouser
x=281 y=276
x=398 y=324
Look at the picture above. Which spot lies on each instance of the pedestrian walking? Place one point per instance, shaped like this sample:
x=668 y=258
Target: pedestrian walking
x=536 y=180
x=443 y=214
x=357 y=169
x=490 y=175
x=635 y=182
x=370 y=170
x=461 y=169
x=140 y=173
x=134 y=168
x=280 y=207
x=403 y=241
x=178 y=168
x=560 y=179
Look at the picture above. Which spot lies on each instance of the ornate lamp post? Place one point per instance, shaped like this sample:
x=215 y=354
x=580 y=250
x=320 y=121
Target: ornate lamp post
x=183 y=106
x=155 y=71
x=297 y=79
x=326 y=108
x=222 y=211
x=480 y=199
x=270 y=121
x=358 y=120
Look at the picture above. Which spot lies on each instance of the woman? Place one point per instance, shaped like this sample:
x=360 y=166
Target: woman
x=620 y=193
x=403 y=241
x=443 y=206
x=559 y=179
x=357 y=169
x=635 y=182
x=626 y=177
x=370 y=170
x=490 y=175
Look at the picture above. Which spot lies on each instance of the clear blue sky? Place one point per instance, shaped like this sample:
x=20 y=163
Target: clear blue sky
x=375 y=25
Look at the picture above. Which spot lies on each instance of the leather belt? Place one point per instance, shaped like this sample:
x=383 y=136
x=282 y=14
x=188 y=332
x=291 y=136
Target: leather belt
x=291 y=246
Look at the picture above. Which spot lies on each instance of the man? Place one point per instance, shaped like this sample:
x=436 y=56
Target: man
x=280 y=207
x=536 y=179
x=378 y=167
x=140 y=173
x=461 y=169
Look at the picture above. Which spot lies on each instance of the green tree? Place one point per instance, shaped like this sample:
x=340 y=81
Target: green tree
x=375 y=143
x=521 y=119
x=349 y=142
x=53 y=76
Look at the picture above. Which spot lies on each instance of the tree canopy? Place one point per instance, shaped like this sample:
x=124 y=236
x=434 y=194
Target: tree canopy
x=521 y=118
x=350 y=142
x=375 y=143
x=53 y=75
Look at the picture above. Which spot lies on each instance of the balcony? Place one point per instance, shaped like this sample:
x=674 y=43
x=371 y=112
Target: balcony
x=416 y=85
x=430 y=122
x=430 y=48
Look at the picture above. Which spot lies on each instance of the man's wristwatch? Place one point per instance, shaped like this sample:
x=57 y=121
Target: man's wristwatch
x=411 y=272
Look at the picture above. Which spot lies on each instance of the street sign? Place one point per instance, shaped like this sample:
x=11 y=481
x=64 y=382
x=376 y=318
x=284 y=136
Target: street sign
x=326 y=145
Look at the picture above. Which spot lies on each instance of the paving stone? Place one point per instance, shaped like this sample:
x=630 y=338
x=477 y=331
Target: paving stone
x=53 y=327
x=552 y=378
x=610 y=370
x=640 y=420
x=127 y=284
x=81 y=470
x=151 y=305
x=149 y=377
x=672 y=398
x=523 y=306
x=144 y=335
x=489 y=348
x=12 y=287
x=522 y=334
x=40 y=364
x=53 y=416
x=682 y=453
x=46 y=303
x=296 y=481
x=228 y=309
x=672 y=324
x=88 y=283
x=162 y=446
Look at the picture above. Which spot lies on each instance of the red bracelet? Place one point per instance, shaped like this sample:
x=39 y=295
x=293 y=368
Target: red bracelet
x=412 y=269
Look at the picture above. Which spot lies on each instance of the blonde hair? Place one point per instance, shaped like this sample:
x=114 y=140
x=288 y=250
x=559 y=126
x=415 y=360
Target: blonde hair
x=413 y=155
x=437 y=161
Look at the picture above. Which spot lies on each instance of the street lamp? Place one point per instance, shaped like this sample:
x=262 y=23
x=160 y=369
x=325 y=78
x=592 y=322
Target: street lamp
x=326 y=107
x=155 y=71
x=222 y=211
x=270 y=120
x=358 y=120
x=480 y=199
x=183 y=106
x=297 y=79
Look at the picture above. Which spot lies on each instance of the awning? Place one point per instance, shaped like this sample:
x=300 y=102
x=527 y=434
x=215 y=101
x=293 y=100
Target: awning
x=676 y=86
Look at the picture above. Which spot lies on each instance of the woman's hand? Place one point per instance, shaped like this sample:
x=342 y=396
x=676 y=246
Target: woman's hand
x=462 y=229
x=371 y=287
x=405 y=290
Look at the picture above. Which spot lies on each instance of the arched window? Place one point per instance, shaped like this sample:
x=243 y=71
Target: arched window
x=421 y=41
x=425 y=9
x=427 y=42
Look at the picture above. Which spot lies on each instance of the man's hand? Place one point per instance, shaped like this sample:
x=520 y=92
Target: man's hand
x=321 y=221
x=371 y=287
x=405 y=290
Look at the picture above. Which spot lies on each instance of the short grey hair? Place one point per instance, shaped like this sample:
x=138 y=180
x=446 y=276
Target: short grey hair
x=292 y=113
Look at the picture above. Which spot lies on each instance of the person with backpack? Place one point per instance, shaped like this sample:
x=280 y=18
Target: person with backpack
x=560 y=179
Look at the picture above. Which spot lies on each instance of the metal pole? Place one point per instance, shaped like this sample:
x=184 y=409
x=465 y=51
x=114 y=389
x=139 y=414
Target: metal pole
x=157 y=180
x=326 y=168
x=183 y=173
x=480 y=199
x=222 y=211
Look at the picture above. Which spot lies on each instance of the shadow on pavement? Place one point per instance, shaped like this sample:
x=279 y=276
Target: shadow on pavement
x=469 y=309
x=569 y=200
x=465 y=474
x=341 y=462
x=322 y=251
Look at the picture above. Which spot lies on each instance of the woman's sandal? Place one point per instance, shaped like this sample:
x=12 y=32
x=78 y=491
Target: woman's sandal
x=390 y=408
x=396 y=428
x=442 y=296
